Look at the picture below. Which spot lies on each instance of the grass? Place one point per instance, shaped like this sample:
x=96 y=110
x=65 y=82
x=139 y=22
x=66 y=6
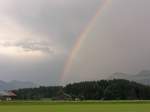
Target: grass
x=89 y=106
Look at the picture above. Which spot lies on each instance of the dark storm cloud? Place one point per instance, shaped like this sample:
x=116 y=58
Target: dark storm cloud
x=119 y=42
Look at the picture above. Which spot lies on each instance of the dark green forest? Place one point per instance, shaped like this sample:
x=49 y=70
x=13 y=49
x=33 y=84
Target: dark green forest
x=117 y=89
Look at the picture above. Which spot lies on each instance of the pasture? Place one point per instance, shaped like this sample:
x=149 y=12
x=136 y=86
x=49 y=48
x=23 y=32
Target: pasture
x=128 y=106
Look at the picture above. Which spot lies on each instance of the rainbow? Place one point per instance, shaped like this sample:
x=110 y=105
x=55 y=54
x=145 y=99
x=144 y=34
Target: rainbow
x=81 y=38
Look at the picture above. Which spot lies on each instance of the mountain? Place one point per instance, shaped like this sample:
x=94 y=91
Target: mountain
x=119 y=75
x=142 y=77
x=15 y=85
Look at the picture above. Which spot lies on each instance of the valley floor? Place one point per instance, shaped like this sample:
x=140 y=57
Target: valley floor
x=75 y=106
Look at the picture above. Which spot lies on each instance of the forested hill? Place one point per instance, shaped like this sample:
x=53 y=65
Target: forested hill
x=109 y=90
x=91 y=90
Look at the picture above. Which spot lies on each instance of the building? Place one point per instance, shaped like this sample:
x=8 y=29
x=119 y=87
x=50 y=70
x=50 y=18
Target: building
x=62 y=96
x=7 y=95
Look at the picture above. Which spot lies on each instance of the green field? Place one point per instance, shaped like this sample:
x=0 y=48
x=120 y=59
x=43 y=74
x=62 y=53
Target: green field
x=136 y=106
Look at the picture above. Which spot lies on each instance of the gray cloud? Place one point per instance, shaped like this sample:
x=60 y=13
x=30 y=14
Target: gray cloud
x=119 y=42
x=47 y=26
x=63 y=21
x=29 y=46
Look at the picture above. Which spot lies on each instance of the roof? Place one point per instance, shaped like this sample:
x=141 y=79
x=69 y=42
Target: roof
x=7 y=93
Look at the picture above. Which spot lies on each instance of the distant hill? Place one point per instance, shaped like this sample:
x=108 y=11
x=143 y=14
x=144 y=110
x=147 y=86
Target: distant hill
x=119 y=75
x=142 y=77
x=15 y=85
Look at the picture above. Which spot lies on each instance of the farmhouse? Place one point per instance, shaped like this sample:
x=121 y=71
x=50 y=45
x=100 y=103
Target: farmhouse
x=7 y=95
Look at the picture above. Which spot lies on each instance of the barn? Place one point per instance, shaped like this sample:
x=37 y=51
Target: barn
x=7 y=95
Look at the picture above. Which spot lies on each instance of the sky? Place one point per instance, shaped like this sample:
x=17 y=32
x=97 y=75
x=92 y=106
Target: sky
x=38 y=36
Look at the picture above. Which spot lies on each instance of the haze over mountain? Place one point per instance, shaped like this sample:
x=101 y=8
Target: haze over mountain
x=15 y=85
x=142 y=77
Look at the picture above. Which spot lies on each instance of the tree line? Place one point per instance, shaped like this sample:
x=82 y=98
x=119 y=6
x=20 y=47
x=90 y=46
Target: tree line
x=37 y=93
x=117 y=89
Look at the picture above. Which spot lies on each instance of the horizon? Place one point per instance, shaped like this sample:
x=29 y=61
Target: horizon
x=112 y=76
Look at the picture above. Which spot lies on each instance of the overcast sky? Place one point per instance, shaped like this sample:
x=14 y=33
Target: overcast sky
x=36 y=38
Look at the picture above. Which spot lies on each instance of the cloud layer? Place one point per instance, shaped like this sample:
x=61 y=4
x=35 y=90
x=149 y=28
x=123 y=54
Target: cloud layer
x=36 y=38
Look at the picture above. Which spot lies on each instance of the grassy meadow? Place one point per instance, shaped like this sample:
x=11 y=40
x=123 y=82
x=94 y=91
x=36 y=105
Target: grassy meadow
x=128 y=106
